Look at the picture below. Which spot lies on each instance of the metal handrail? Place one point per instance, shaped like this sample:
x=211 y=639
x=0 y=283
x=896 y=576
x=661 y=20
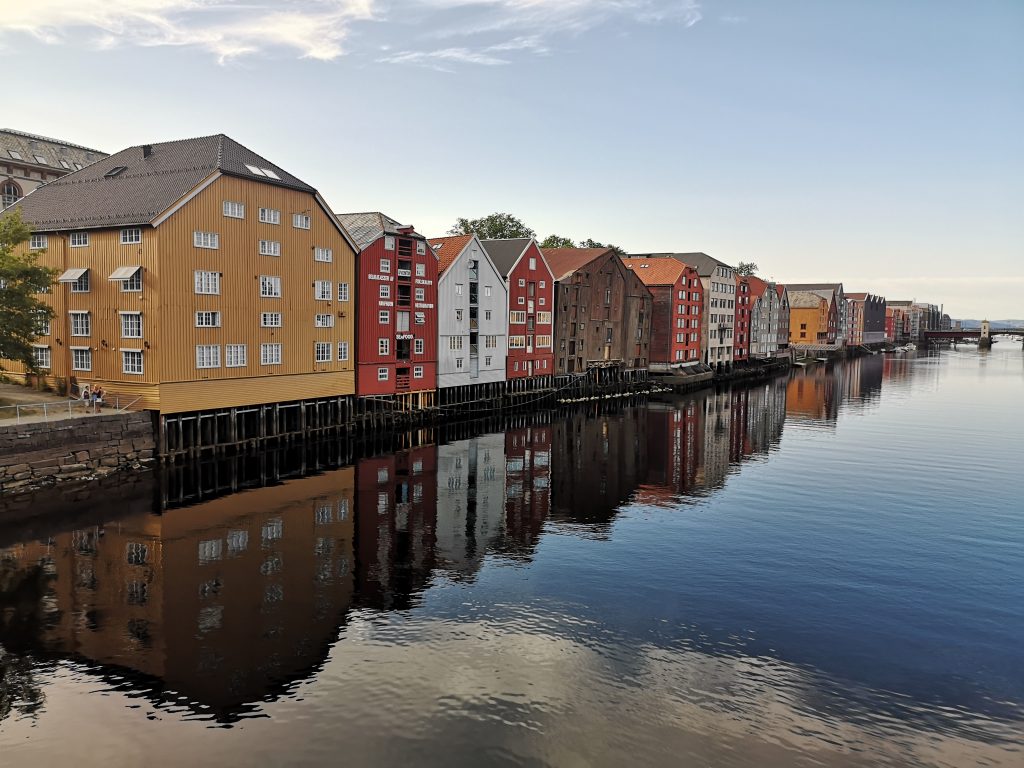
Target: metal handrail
x=48 y=408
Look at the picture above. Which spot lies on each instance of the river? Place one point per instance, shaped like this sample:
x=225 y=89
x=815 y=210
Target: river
x=827 y=570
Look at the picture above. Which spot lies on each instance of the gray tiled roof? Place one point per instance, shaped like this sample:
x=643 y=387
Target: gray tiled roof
x=146 y=187
x=365 y=228
x=28 y=145
x=804 y=299
x=704 y=264
x=816 y=287
x=505 y=253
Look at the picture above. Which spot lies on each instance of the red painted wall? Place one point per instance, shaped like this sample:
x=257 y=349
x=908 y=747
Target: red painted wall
x=370 y=330
x=523 y=363
x=741 y=321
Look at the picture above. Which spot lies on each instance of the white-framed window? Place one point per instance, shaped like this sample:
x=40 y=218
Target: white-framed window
x=301 y=220
x=543 y=342
x=207 y=356
x=36 y=242
x=389 y=242
x=236 y=355
x=543 y=318
x=81 y=324
x=323 y=254
x=458 y=289
x=490 y=342
x=270 y=354
x=487 y=290
x=417 y=346
x=384 y=291
x=458 y=315
x=270 y=319
x=487 y=360
x=383 y=346
x=322 y=351
x=206 y=240
x=541 y=301
x=533 y=262
x=270 y=216
x=384 y=317
x=543 y=284
x=78 y=239
x=522 y=282
x=270 y=248
x=81 y=285
x=382 y=374
x=131 y=361
x=421 y=294
x=270 y=286
x=522 y=301
x=516 y=342
x=342 y=351
x=342 y=291
x=487 y=314
x=234 y=210
x=385 y=265
x=417 y=371
x=133 y=284
x=421 y=270
x=454 y=342
x=131 y=236
x=517 y=317
x=42 y=356
x=421 y=248
x=207 y=282
x=458 y=363
x=323 y=321
x=420 y=318
x=207 y=319
x=131 y=325
x=42 y=326
x=81 y=359
x=323 y=290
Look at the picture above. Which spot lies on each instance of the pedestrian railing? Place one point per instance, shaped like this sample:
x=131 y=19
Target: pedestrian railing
x=60 y=409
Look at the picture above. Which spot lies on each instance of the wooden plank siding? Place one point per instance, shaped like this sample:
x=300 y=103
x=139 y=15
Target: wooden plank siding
x=170 y=381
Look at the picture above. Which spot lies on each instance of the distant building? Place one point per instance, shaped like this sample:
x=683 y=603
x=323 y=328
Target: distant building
x=765 y=318
x=717 y=322
x=834 y=294
x=783 y=335
x=677 y=309
x=866 y=318
x=897 y=321
x=741 y=320
x=531 y=288
x=602 y=311
x=812 y=319
x=473 y=316
x=28 y=161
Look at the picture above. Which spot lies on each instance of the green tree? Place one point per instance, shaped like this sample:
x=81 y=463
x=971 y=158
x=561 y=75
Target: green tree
x=496 y=226
x=746 y=269
x=21 y=280
x=557 y=241
x=591 y=243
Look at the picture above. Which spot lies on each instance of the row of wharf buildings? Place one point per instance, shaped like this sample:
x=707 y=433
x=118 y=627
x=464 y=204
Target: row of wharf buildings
x=198 y=276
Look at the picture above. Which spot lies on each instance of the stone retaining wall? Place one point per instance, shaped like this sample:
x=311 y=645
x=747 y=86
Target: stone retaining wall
x=39 y=454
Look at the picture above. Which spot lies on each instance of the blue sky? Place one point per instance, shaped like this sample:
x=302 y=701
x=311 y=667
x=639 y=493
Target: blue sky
x=874 y=142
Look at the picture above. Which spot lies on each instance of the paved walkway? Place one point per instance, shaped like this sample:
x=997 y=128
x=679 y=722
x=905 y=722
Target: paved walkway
x=35 y=406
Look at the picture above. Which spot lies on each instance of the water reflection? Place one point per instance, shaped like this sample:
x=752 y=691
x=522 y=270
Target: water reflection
x=215 y=588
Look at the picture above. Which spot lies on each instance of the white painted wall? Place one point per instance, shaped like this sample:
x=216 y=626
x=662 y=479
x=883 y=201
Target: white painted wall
x=449 y=300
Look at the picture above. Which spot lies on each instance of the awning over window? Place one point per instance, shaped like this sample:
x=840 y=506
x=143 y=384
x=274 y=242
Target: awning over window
x=124 y=273
x=72 y=275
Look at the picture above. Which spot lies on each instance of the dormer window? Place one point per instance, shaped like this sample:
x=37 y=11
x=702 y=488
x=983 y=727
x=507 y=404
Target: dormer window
x=14 y=153
x=41 y=160
x=115 y=171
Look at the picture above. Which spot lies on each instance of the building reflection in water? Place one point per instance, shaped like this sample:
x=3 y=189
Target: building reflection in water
x=226 y=582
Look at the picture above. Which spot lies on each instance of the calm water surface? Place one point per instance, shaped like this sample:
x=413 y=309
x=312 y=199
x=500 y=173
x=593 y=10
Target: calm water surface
x=825 y=570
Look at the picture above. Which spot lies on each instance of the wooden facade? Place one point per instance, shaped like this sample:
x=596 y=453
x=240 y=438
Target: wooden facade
x=677 y=310
x=199 y=317
x=741 y=326
x=602 y=312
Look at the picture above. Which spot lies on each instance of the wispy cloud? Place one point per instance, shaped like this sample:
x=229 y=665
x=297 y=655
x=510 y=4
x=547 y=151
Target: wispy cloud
x=313 y=29
x=733 y=19
x=437 y=33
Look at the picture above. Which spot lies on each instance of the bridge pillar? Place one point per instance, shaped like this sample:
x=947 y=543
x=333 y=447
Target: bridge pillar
x=985 y=340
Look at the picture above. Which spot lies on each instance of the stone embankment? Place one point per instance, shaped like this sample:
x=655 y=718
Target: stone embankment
x=41 y=454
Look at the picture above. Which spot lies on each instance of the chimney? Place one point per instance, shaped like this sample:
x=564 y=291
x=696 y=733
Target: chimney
x=147 y=150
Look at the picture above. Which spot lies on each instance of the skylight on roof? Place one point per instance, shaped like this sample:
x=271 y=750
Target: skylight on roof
x=41 y=160
x=15 y=154
x=270 y=173
x=254 y=169
x=114 y=171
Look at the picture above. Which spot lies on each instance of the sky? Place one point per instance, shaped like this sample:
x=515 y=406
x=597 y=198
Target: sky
x=876 y=143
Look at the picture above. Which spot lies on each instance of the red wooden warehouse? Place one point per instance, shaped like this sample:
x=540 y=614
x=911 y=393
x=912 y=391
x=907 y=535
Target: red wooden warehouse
x=677 y=311
x=741 y=332
x=396 y=301
x=531 y=299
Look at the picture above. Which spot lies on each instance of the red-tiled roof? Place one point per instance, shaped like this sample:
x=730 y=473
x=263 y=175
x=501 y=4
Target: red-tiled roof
x=857 y=296
x=656 y=271
x=780 y=289
x=565 y=261
x=448 y=249
x=757 y=286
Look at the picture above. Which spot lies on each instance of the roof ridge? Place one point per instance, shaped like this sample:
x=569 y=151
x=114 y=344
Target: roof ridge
x=38 y=137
